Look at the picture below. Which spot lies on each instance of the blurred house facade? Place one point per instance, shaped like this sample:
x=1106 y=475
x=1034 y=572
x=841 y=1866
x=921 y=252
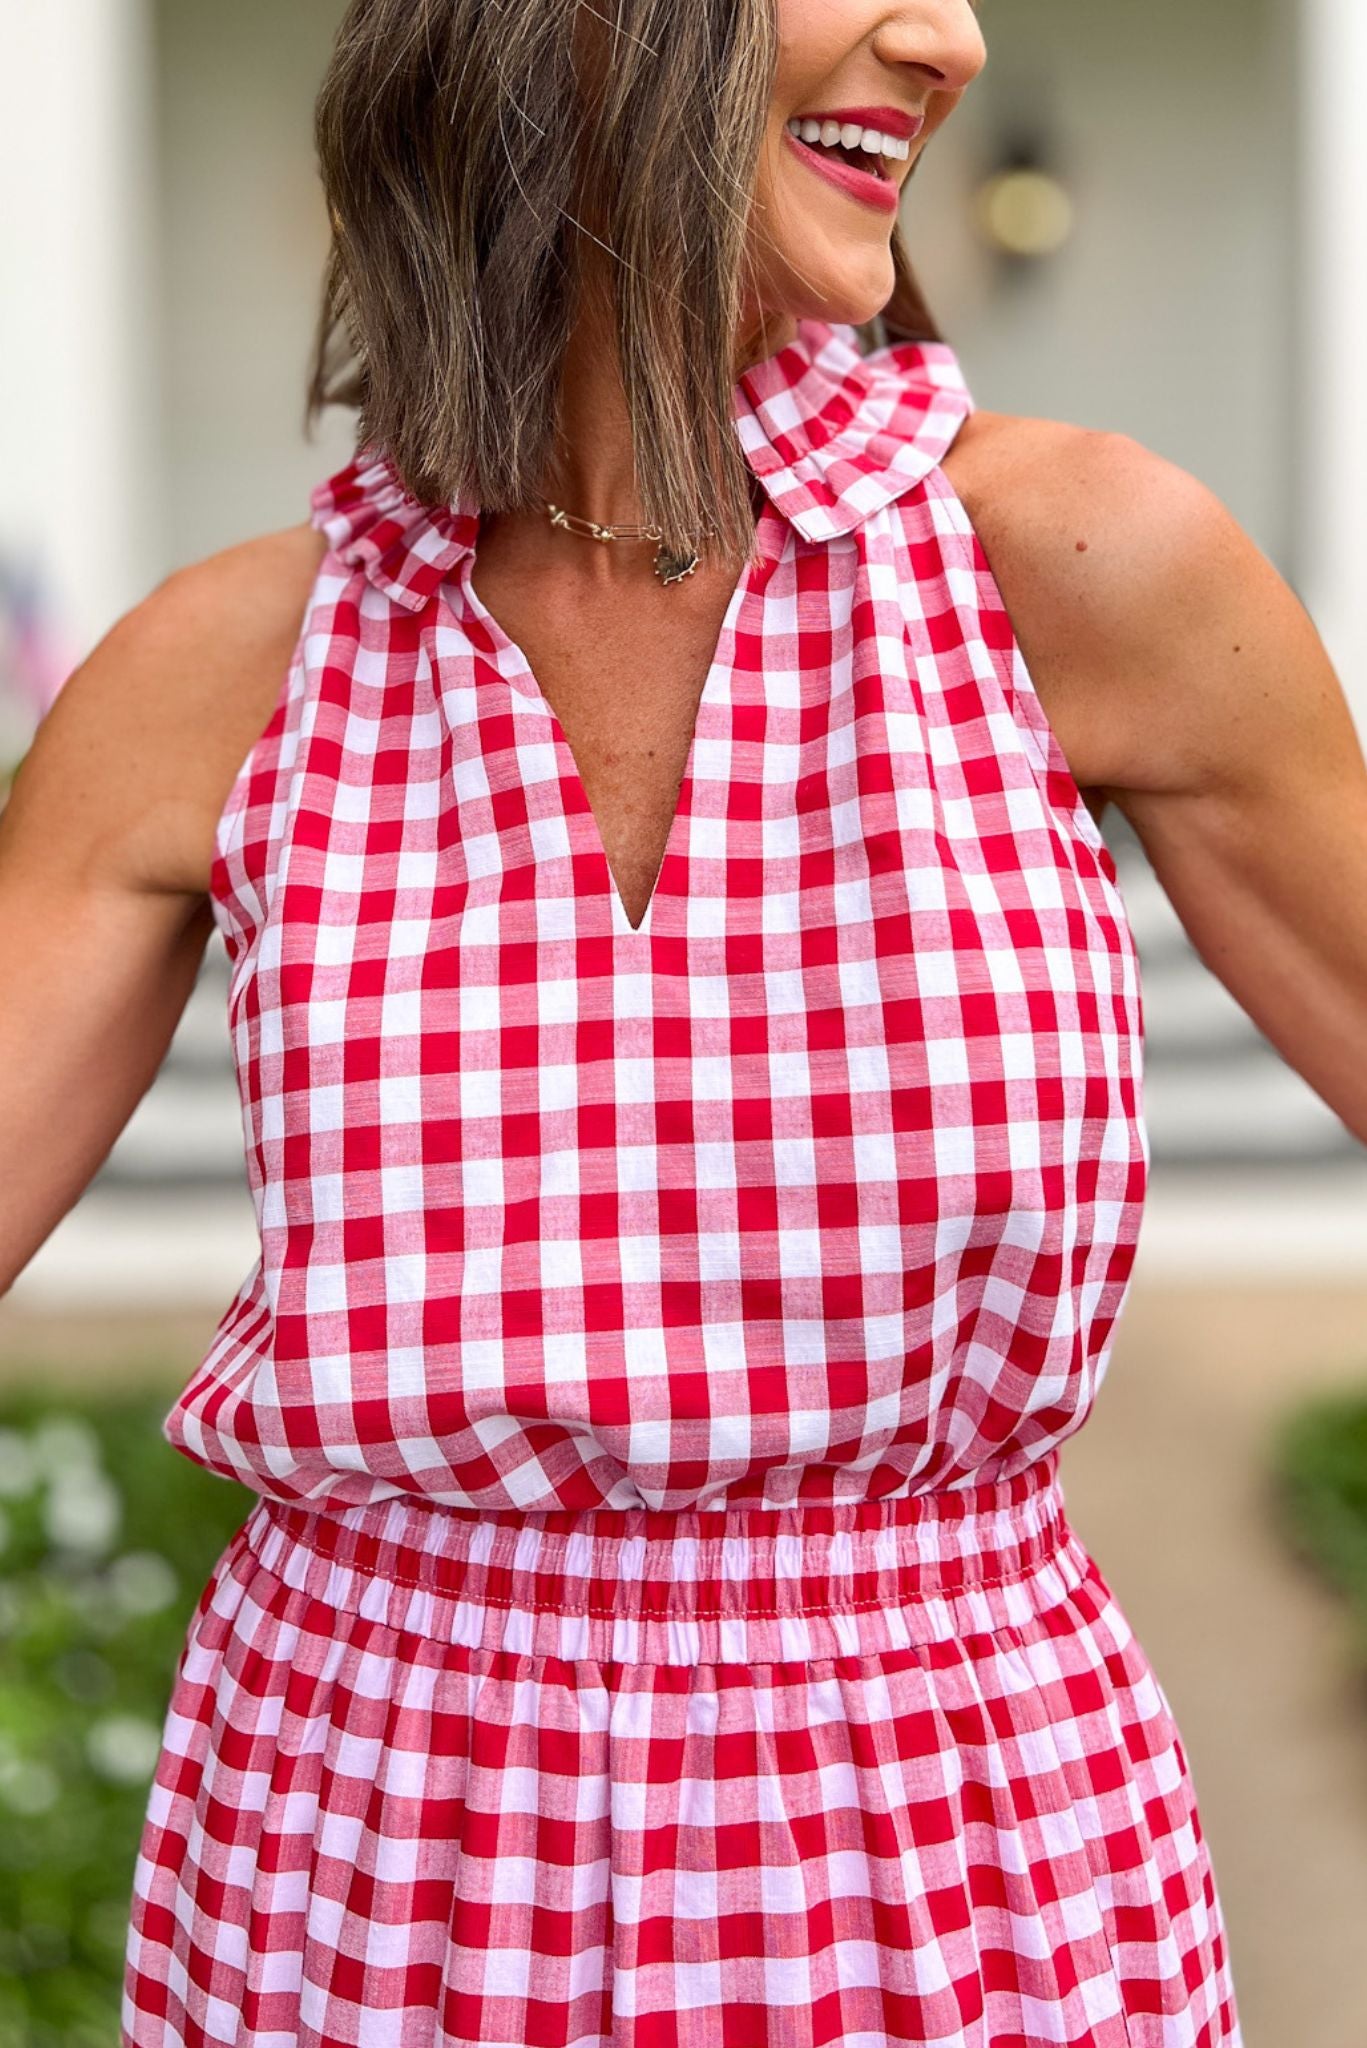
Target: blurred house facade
x=1203 y=289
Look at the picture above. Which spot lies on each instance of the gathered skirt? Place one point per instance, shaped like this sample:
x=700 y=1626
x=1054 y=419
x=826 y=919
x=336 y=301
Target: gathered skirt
x=883 y=1772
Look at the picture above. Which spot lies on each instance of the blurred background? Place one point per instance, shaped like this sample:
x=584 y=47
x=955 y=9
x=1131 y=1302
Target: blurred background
x=1151 y=219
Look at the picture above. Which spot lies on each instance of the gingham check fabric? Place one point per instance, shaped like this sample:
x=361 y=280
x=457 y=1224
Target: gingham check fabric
x=826 y=1776
x=826 y=1181
x=660 y=1627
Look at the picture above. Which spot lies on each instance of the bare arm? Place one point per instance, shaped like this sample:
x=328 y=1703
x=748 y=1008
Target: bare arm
x=105 y=850
x=1188 y=685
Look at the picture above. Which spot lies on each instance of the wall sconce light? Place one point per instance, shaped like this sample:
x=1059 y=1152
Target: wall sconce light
x=1022 y=209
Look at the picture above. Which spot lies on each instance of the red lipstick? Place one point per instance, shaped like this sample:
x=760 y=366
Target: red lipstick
x=877 y=192
x=889 y=120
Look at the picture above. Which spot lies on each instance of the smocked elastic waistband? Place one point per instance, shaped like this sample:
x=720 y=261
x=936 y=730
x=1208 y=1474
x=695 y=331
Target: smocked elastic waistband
x=728 y=1585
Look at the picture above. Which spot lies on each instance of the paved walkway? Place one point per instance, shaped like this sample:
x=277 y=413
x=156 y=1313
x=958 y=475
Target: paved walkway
x=1165 y=1484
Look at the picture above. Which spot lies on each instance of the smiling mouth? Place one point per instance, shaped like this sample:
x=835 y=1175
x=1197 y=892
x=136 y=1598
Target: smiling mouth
x=863 y=149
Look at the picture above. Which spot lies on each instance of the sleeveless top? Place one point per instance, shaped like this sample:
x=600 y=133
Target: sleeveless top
x=825 y=1182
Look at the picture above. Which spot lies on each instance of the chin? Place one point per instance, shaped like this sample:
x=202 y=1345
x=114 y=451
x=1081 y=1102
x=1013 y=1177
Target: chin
x=845 y=297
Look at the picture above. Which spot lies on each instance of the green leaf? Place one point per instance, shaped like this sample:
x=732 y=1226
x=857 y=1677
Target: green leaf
x=110 y=1538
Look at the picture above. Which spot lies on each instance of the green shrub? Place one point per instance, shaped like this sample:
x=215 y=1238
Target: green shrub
x=1320 y=1473
x=107 y=1537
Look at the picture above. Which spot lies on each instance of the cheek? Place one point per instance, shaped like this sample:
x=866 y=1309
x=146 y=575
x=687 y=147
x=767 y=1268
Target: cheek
x=768 y=208
x=781 y=188
x=815 y=38
x=938 y=110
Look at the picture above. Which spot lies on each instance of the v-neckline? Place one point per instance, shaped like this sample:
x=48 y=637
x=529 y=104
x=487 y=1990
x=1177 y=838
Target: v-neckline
x=714 y=684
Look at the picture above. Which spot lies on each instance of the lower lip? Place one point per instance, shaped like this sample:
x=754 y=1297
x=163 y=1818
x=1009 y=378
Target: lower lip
x=877 y=192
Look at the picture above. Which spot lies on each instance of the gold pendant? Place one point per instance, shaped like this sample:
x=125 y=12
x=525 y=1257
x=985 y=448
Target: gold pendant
x=672 y=568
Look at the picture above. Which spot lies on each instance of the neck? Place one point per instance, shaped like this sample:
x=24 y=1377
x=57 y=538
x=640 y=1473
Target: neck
x=593 y=474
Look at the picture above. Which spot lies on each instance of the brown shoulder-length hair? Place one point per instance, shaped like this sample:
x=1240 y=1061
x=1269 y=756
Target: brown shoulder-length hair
x=448 y=135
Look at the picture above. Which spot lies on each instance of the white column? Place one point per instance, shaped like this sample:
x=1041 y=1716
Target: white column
x=1330 y=373
x=78 y=316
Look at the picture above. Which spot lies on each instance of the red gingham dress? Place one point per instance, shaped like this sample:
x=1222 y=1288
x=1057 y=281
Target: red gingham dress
x=660 y=1625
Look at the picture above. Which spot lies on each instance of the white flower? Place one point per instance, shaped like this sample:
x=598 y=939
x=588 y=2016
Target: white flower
x=27 y=1788
x=124 y=1747
x=142 y=1582
x=63 y=1442
x=18 y=1467
x=82 y=1512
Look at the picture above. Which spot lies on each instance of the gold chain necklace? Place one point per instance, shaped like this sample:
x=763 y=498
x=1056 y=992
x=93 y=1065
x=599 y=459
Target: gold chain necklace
x=669 y=566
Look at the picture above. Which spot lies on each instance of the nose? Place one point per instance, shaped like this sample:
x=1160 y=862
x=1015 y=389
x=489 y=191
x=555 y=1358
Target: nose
x=941 y=39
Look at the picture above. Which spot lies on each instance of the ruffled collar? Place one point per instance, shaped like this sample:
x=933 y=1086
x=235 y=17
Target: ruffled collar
x=832 y=434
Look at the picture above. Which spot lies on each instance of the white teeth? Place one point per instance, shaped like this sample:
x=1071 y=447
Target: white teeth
x=851 y=135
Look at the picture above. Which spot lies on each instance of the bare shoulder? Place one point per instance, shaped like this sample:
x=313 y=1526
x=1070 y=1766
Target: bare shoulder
x=1121 y=572
x=136 y=757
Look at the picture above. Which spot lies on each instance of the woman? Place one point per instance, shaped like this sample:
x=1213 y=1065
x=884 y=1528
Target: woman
x=690 y=1046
